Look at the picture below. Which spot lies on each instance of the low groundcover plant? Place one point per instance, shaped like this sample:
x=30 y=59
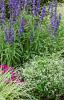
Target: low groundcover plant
x=10 y=83
x=10 y=74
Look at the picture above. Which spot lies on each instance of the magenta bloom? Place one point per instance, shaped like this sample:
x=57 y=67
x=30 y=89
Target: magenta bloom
x=14 y=75
x=4 y=68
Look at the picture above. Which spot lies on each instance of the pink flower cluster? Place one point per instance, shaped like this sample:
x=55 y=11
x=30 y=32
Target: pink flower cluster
x=14 y=76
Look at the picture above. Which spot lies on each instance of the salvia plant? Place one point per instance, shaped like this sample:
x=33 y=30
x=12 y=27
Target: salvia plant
x=22 y=33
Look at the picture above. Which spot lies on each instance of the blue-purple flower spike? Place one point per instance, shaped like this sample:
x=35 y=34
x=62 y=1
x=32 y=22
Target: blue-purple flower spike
x=34 y=7
x=43 y=13
x=54 y=18
x=9 y=36
x=14 y=6
x=21 y=29
x=2 y=11
x=55 y=22
x=38 y=6
x=53 y=8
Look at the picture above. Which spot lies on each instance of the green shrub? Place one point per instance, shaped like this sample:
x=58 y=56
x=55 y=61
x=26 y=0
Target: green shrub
x=8 y=91
x=47 y=76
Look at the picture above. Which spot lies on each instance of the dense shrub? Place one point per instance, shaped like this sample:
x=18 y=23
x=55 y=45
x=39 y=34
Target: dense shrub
x=47 y=76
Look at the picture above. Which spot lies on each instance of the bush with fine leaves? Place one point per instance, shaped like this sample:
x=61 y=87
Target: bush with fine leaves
x=47 y=76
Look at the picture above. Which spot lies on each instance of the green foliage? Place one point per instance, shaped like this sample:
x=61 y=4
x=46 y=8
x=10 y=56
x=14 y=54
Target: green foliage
x=8 y=52
x=47 y=1
x=11 y=90
x=36 y=40
x=44 y=76
x=7 y=90
x=47 y=75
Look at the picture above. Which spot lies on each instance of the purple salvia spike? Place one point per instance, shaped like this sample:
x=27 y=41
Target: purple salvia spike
x=43 y=13
x=51 y=9
x=2 y=10
x=14 y=6
x=55 y=6
x=54 y=18
x=33 y=7
x=55 y=22
x=21 y=29
x=9 y=35
x=38 y=6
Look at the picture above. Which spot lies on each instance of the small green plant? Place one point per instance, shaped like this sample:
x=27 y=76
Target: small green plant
x=8 y=83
